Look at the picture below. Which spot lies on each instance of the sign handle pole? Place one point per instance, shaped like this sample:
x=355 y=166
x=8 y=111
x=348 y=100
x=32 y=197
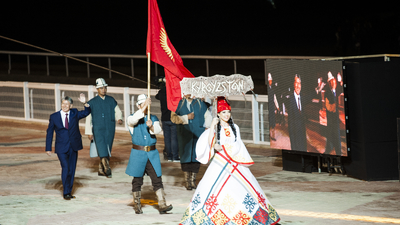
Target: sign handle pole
x=148 y=82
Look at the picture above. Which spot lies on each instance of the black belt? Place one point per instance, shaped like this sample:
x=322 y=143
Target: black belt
x=144 y=148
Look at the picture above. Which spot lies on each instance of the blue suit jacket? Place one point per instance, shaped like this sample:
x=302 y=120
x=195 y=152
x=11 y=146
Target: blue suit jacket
x=64 y=137
x=297 y=124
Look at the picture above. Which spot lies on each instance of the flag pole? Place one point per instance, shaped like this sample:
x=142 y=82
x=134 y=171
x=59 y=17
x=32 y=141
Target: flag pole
x=148 y=82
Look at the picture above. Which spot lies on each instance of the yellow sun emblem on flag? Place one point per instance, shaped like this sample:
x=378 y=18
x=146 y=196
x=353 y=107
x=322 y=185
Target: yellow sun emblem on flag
x=164 y=44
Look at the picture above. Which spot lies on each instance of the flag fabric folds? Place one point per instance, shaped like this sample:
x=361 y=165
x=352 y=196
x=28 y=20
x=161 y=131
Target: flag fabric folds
x=163 y=52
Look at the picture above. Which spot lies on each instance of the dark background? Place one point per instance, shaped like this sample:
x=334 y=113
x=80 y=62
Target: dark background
x=258 y=27
x=214 y=27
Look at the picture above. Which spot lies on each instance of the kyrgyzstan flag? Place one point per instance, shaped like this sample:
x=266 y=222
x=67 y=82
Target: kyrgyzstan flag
x=163 y=52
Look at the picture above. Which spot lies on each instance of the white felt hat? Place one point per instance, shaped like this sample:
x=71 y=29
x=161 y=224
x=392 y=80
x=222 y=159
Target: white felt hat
x=141 y=98
x=330 y=76
x=100 y=82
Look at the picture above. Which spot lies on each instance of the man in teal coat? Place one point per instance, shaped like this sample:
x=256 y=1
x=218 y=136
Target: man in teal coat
x=144 y=156
x=195 y=119
x=104 y=113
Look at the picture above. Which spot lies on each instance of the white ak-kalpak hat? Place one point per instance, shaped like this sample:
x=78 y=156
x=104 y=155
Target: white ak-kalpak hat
x=339 y=77
x=100 y=82
x=140 y=99
x=269 y=76
x=330 y=76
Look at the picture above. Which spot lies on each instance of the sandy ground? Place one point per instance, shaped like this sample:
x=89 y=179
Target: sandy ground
x=31 y=188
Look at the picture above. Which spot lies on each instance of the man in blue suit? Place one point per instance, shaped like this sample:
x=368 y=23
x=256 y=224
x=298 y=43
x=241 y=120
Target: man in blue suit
x=296 y=118
x=68 y=140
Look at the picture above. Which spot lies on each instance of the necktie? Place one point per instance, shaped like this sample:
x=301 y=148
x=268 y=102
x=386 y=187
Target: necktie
x=66 y=121
x=298 y=103
x=334 y=95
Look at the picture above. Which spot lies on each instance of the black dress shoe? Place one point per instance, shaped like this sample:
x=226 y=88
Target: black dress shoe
x=67 y=197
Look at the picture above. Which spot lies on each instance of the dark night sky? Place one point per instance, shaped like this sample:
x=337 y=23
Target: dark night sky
x=214 y=27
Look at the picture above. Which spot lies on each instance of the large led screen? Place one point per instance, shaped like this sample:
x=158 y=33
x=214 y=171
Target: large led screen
x=306 y=109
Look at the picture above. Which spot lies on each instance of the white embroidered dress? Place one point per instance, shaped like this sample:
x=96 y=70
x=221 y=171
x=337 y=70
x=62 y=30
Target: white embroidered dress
x=228 y=193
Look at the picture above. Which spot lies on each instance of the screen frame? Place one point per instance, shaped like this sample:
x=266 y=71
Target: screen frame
x=345 y=110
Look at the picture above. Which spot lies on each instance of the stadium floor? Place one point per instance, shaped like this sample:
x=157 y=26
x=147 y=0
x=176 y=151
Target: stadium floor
x=31 y=188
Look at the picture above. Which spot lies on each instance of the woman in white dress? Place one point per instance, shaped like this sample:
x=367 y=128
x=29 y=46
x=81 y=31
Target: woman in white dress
x=228 y=193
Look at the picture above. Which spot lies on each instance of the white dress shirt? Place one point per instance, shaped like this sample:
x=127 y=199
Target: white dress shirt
x=63 y=114
x=297 y=97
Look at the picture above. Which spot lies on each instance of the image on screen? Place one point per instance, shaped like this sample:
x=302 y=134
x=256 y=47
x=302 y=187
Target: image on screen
x=306 y=110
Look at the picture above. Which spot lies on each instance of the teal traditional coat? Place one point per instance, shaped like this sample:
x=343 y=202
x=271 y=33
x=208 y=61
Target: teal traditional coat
x=189 y=133
x=138 y=158
x=103 y=121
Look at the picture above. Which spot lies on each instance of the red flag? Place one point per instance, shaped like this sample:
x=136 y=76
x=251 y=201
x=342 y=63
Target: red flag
x=163 y=52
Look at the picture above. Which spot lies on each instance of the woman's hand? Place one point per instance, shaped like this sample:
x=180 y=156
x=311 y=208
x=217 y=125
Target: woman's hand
x=214 y=122
x=218 y=147
x=211 y=135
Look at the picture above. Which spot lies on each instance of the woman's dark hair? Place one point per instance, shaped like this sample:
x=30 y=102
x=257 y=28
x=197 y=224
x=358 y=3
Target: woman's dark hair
x=231 y=124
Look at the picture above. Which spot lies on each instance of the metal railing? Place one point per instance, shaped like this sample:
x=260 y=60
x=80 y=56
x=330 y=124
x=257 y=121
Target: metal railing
x=33 y=92
x=86 y=56
x=132 y=58
x=37 y=101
